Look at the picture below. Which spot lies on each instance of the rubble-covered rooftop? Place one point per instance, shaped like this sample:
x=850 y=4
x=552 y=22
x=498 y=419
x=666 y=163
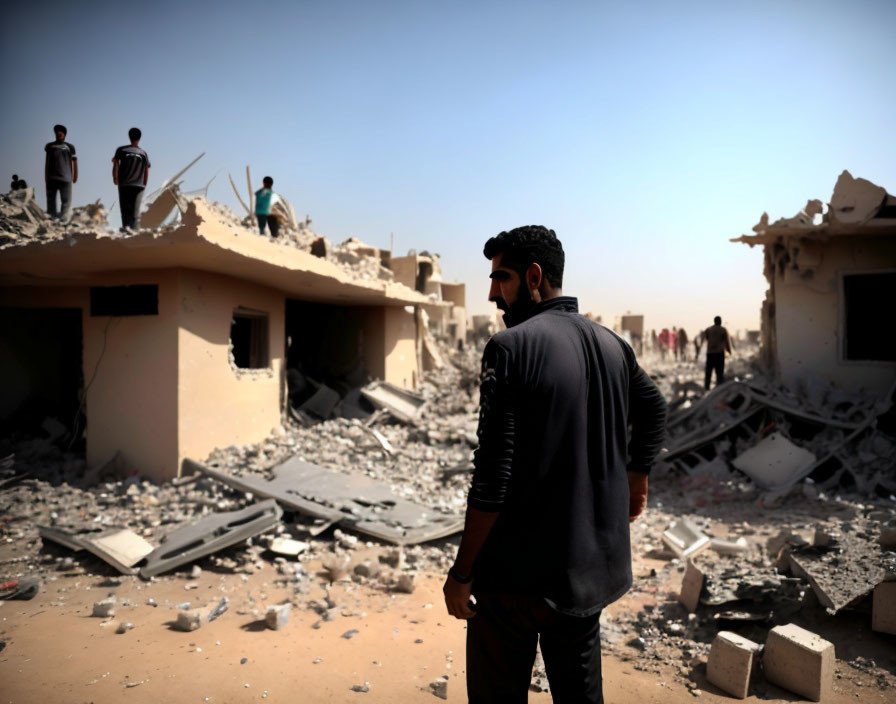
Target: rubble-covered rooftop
x=208 y=237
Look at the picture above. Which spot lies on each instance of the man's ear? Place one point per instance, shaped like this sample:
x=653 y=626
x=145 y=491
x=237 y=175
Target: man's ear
x=534 y=276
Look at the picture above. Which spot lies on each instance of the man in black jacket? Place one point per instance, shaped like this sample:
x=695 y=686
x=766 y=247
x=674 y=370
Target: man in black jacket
x=556 y=482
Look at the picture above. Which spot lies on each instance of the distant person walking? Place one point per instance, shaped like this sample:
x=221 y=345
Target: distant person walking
x=265 y=199
x=681 y=345
x=718 y=342
x=17 y=184
x=60 y=172
x=665 y=340
x=130 y=172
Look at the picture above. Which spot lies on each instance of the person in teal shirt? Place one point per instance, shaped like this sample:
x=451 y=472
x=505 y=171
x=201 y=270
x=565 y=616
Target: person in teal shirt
x=265 y=199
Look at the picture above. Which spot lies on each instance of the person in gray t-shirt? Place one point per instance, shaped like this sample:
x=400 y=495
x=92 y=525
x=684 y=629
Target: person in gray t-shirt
x=130 y=172
x=60 y=172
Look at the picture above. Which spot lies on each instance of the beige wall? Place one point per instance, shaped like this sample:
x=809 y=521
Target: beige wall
x=455 y=293
x=390 y=345
x=219 y=405
x=405 y=270
x=401 y=348
x=807 y=322
x=131 y=403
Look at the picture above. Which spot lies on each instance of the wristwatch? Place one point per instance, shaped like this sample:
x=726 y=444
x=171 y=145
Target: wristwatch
x=458 y=577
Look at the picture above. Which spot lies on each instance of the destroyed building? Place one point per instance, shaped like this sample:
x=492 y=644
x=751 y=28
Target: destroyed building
x=832 y=277
x=169 y=343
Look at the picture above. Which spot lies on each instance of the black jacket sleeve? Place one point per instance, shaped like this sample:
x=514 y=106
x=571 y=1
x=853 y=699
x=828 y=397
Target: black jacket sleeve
x=647 y=415
x=493 y=459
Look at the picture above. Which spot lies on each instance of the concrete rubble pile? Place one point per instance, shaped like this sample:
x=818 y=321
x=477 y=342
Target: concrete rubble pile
x=23 y=220
x=45 y=490
x=820 y=435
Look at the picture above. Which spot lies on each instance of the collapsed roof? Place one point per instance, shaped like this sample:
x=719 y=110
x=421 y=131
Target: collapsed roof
x=857 y=206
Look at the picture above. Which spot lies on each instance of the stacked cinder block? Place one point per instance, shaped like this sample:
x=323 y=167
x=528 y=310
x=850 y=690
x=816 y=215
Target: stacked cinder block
x=731 y=661
x=799 y=660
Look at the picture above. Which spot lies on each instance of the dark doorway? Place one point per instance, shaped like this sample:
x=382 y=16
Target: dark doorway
x=40 y=368
x=870 y=317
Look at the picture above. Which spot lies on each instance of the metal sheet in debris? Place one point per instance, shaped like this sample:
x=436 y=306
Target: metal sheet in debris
x=402 y=403
x=356 y=501
x=775 y=462
x=119 y=547
x=209 y=535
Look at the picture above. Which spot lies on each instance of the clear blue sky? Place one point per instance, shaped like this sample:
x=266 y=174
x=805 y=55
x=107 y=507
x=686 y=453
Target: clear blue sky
x=645 y=134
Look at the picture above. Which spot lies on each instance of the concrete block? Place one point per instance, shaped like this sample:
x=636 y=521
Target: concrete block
x=691 y=587
x=189 y=620
x=731 y=662
x=799 y=660
x=407 y=582
x=883 y=611
x=105 y=608
x=277 y=616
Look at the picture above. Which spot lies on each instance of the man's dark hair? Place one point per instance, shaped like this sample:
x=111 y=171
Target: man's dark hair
x=134 y=134
x=15 y=177
x=60 y=128
x=267 y=181
x=524 y=245
x=717 y=320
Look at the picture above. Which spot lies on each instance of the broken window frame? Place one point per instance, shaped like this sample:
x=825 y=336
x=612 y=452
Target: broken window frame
x=842 y=359
x=259 y=352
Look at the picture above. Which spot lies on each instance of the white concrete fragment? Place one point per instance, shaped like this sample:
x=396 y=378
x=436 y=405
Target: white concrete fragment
x=407 y=582
x=684 y=539
x=189 y=620
x=729 y=547
x=288 y=546
x=277 y=616
x=105 y=608
x=775 y=462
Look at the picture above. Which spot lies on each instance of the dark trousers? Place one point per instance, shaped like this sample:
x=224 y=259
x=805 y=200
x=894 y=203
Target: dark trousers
x=269 y=220
x=715 y=361
x=64 y=189
x=501 y=643
x=129 y=199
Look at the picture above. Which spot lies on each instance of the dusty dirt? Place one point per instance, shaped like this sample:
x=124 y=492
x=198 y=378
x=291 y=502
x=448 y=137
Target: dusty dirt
x=55 y=651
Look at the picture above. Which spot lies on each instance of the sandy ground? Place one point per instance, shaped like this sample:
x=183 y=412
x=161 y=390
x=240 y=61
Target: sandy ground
x=55 y=651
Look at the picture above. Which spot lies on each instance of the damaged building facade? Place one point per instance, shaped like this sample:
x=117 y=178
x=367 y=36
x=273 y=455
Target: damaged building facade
x=170 y=343
x=832 y=277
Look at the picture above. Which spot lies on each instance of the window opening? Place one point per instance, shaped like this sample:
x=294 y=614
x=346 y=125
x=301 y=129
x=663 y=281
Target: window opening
x=249 y=339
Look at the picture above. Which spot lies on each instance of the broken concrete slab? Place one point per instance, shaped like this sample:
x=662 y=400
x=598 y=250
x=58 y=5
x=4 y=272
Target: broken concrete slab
x=119 y=547
x=799 y=660
x=401 y=403
x=683 y=539
x=209 y=535
x=731 y=662
x=354 y=501
x=775 y=462
x=839 y=576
